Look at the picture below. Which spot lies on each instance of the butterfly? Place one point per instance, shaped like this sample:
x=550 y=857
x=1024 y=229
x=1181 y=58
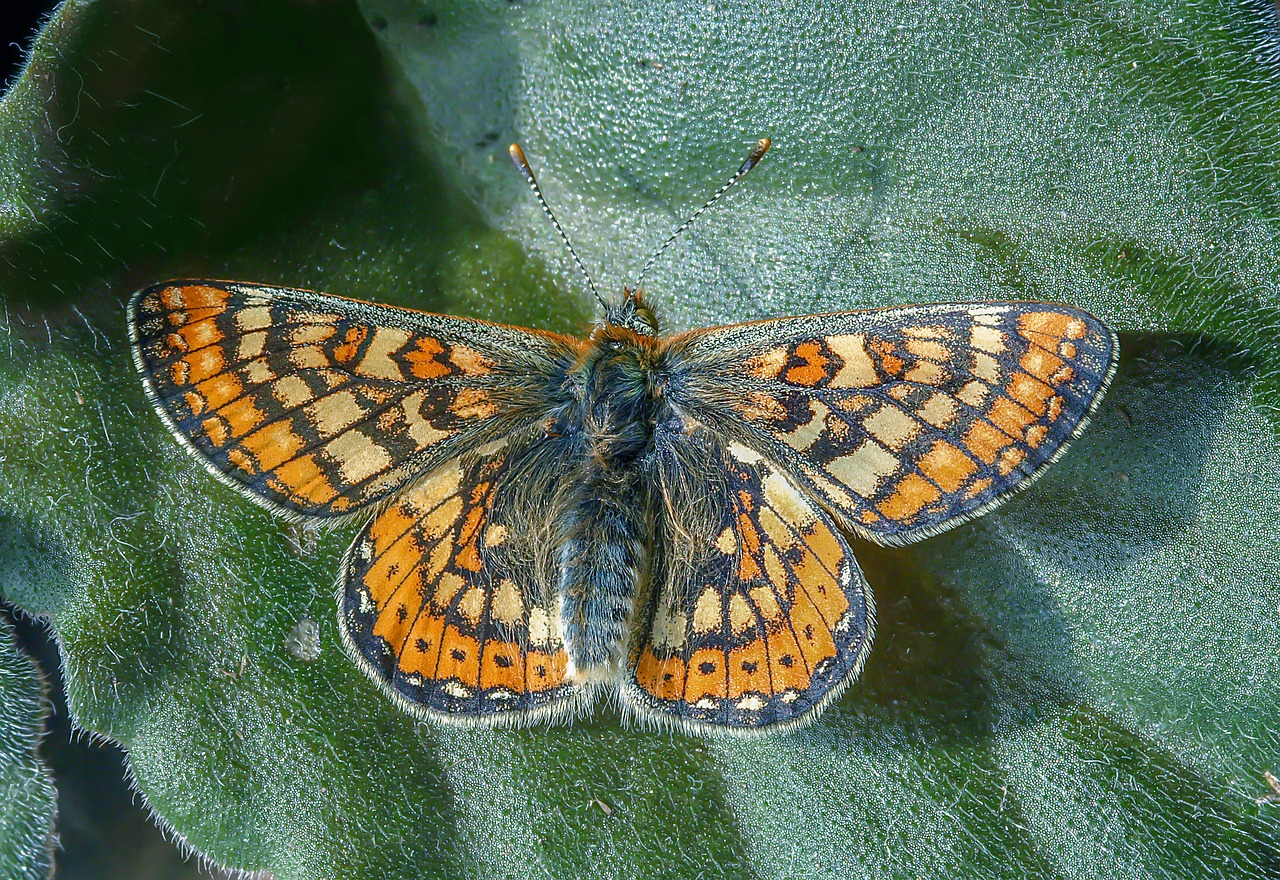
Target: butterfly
x=659 y=520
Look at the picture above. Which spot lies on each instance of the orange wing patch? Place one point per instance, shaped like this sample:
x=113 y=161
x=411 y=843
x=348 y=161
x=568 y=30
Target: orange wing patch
x=317 y=405
x=436 y=611
x=907 y=421
x=767 y=621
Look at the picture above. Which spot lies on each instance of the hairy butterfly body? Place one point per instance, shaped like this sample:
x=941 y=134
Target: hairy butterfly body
x=661 y=519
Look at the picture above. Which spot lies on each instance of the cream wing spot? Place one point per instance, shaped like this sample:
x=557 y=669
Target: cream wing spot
x=985 y=367
x=973 y=393
x=251 y=345
x=928 y=349
x=766 y=602
x=291 y=391
x=864 y=469
x=741 y=617
x=309 y=334
x=420 y=430
x=440 y=485
x=377 y=362
x=708 y=613
x=744 y=454
x=669 y=628
x=539 y=628
x=258 y=318
x=804 y=436
x=310 y=357
x=832 y=491
x=447 y=586
x=926 y=373
x=358 y=456
x=508 y=605
x=472 y=605
x=988 y=339
x=257 y=372
x=939 y=410
x=857 y=370
x=333 y=412
x=775 y=528
x=783 y=497
x=775 y=570
x=442 y=519
x=438 y=558
x=891 y=426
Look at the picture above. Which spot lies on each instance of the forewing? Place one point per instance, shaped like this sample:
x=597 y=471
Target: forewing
x=904 y=421
x=317 y=405
x=757 y=613
x=447 y=597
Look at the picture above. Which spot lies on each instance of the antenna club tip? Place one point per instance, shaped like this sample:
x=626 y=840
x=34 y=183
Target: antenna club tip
x=517 y=154
x=757 y=153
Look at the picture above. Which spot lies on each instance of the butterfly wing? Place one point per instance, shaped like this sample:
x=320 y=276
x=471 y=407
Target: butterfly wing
x=316 y=405
x=448 y=597
x=905 y=421
x=757 y=614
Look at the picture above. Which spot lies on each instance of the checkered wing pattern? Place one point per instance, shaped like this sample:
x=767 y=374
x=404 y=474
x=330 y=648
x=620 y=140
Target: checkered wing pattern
x=316 y=405
x=448 y=598
x=904 y=421
x=758 y=614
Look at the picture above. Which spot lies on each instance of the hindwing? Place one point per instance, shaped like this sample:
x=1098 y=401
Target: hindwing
x=905 y=421
x=448 y=598
x=757 y=614
x=316 y=405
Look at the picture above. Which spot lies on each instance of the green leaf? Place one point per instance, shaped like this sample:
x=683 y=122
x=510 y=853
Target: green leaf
x=1082 y=684
x=28 y=801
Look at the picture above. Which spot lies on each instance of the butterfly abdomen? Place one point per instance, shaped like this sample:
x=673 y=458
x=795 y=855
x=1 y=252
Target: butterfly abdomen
x=600 y=562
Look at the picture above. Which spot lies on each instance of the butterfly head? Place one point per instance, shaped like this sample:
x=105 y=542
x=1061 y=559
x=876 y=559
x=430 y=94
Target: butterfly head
x=632 y=314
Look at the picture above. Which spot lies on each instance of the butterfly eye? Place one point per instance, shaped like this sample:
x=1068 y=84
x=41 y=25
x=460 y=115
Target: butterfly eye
x=645 y=321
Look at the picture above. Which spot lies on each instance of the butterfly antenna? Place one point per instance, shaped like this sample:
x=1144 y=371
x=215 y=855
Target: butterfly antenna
x=517 y=156
x=757 y=153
